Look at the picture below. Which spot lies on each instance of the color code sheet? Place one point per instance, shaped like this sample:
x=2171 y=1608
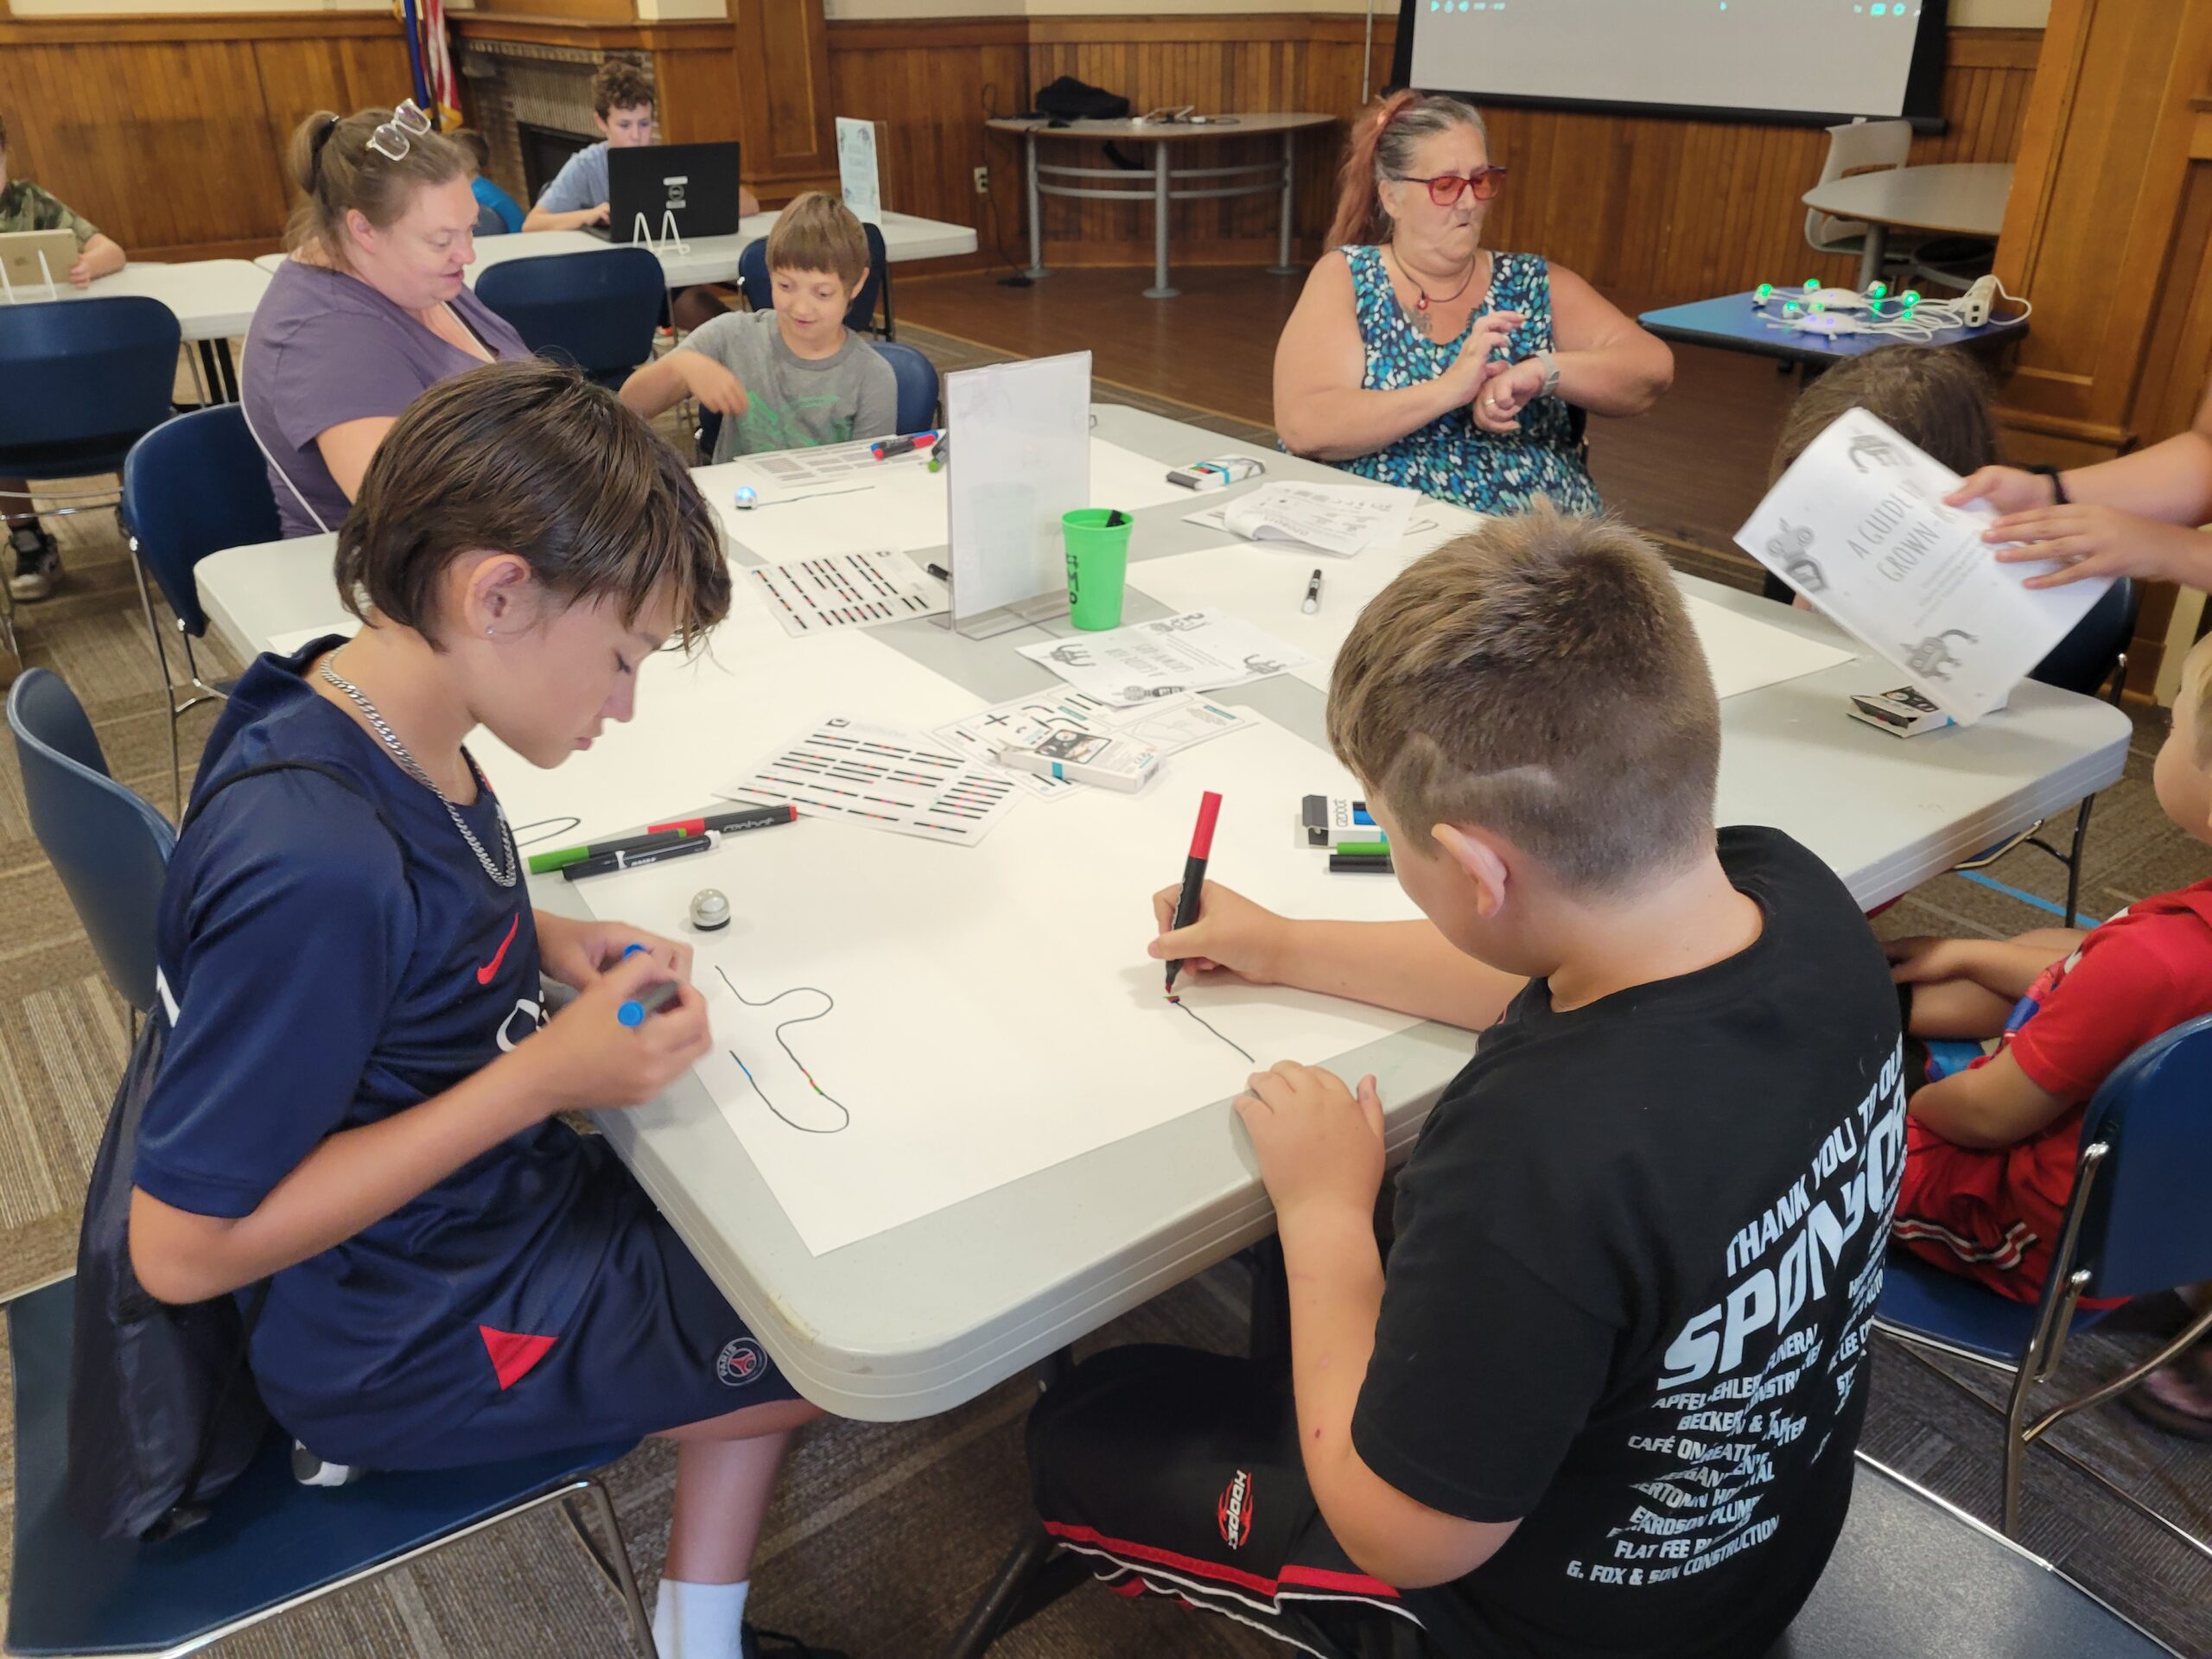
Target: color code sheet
x=845 y=590
x=881 y=777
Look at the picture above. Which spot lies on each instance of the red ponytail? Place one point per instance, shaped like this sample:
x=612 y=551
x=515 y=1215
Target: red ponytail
x=1360 y=218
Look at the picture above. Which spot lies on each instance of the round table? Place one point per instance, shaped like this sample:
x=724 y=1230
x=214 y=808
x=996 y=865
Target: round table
x=1255 y=178
x=1952 y=198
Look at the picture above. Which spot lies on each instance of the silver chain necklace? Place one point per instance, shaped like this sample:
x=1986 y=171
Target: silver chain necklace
x=408 y=765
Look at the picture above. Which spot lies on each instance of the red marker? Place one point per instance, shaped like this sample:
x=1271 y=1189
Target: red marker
x=1194 y=873
x=754 y=817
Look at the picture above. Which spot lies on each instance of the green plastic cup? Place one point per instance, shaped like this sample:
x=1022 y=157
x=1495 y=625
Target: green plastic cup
x=1098 y=565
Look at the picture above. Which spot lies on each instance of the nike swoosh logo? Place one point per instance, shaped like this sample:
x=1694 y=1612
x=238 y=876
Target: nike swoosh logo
x=484 y=975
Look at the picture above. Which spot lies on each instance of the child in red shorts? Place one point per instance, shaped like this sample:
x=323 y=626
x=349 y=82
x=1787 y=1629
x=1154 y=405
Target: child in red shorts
x=1991 y=1150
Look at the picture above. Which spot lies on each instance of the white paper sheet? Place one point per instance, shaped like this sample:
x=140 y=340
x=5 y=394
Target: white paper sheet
x=1196 y=651
x=809 y=598
x=697 y=723
x=1167 y=727
x=1859 y=526
x=1267 y=585
x=994 y=1013
x=877 y=777
x=1338 y=520
x=858 y=179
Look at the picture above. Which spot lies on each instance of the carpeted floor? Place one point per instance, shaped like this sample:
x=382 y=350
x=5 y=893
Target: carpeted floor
x=881 y=1535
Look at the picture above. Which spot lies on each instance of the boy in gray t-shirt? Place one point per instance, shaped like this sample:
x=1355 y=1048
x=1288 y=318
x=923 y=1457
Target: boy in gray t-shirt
x=793 y=377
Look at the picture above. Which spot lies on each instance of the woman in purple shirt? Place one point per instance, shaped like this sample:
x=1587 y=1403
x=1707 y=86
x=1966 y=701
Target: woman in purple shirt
x=371 y=310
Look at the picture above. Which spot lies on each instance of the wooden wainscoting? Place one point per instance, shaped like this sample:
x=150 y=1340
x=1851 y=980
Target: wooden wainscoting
x=1665 y=209
x=168 y=133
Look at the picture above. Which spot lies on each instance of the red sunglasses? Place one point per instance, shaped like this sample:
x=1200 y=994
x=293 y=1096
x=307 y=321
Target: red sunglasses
x=1446 y=188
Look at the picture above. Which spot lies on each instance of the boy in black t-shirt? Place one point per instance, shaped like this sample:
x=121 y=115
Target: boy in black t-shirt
x=1603 y=1400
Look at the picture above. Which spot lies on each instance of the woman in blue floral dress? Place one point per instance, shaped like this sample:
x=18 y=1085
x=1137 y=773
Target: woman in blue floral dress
x=1418 y=356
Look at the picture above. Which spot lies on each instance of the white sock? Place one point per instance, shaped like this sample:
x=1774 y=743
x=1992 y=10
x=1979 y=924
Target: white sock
x=699 y=1621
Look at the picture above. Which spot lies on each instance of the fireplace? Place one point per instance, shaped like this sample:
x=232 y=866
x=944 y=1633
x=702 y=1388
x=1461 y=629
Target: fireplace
x=533 y=106
x=545 y=150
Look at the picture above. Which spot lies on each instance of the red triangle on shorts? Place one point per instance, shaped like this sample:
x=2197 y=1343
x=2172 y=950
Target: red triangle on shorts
x=512 y=1353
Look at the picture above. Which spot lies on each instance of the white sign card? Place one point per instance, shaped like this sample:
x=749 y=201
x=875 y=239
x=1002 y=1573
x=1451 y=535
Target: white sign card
x=859 y=178
x=1859 y=526
x=1021 y=458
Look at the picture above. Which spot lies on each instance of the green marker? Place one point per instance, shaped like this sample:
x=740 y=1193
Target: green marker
x=561 y=858
x=1363 y=848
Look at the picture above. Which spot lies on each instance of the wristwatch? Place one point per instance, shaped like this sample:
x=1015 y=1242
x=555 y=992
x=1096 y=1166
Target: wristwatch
x=1551 y=374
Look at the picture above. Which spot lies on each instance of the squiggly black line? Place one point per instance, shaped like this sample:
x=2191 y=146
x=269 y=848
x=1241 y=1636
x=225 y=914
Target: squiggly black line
x=803 y=1129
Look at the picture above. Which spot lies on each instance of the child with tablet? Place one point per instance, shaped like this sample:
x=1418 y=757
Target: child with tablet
x=360 y=1097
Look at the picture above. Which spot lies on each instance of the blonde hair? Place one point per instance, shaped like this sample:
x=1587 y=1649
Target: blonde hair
x=1381 y=148
x=1539 y=677
x=337 y=172
x=819 y=233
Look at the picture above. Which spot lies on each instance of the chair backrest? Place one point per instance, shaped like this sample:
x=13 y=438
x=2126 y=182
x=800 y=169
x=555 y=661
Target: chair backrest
x=860 y=315
x=917 y=384
x=1855 y=147
x=597 y=310
x=193 y=486
x=85 y=371
x=110 y=848
x=2145 y=1225
x=2084 y=659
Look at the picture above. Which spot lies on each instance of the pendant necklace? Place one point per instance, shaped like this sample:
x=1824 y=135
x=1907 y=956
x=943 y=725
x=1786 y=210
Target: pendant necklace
x=1423 y=323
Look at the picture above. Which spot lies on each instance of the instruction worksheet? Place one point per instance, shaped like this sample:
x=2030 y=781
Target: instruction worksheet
x=880 y=778
x=1197 y=651
x=1859 y=526
x=1166 y=727
x=843 y=590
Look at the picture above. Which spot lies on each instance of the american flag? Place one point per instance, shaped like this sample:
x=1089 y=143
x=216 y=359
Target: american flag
x=443 y=85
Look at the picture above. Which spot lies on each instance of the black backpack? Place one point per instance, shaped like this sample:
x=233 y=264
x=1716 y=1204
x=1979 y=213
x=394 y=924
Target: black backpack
x=1070 y=100
x=163 y=1414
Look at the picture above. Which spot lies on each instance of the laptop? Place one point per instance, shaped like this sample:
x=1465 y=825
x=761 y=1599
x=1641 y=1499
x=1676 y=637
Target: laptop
x=20 y=252
x=696 y=183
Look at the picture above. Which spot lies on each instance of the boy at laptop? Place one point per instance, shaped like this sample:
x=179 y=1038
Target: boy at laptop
x=24 y=207
x=1602 y=1398
x=622 y=109
x=792 y=377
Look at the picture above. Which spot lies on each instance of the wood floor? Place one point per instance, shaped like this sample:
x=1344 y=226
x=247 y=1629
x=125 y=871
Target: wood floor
x=1691 y=470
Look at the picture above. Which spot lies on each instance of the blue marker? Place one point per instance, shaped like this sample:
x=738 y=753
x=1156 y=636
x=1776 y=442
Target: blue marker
x=633 y=1012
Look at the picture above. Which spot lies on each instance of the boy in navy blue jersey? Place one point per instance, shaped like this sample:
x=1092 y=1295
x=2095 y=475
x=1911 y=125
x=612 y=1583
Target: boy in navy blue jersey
x=357 y=1101
x=1602 y=1398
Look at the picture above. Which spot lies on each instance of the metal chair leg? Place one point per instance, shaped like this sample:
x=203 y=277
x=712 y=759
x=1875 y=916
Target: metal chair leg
x=1015 y=1577
x=2073 y=862
x=161 y=661
x=618 y=1557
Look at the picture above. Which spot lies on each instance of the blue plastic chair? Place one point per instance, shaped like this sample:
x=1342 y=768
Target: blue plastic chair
x=108 y=847
x=268 y=1544
x=193 y=486
x=2137 y=1223
x=2091 y=659
x=860 y=315
x=597 y=310
x=86 y=379
x=917 y=384
x=918 y=396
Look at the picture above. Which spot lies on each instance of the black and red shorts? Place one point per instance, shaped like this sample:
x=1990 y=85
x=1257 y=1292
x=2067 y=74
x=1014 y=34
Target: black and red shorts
x=1178 y=1473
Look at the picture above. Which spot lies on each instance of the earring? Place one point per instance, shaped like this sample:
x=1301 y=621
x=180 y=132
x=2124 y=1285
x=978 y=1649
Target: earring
x=488 y=631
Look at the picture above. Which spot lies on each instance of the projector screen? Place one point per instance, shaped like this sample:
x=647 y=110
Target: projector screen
x=1797 y=60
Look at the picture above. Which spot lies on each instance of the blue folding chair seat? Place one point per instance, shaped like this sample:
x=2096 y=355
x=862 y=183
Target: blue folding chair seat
x=86 y=379
x=269 y=1543
x=596 y=310
x=193 y=486
x=110 y=848
x=2137 y=1223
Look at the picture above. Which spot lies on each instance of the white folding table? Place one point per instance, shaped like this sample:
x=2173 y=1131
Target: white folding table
x=917 y=1319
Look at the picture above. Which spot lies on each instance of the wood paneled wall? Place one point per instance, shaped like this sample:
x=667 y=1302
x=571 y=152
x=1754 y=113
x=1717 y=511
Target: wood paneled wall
x=168 y=133
x=1659 y=209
